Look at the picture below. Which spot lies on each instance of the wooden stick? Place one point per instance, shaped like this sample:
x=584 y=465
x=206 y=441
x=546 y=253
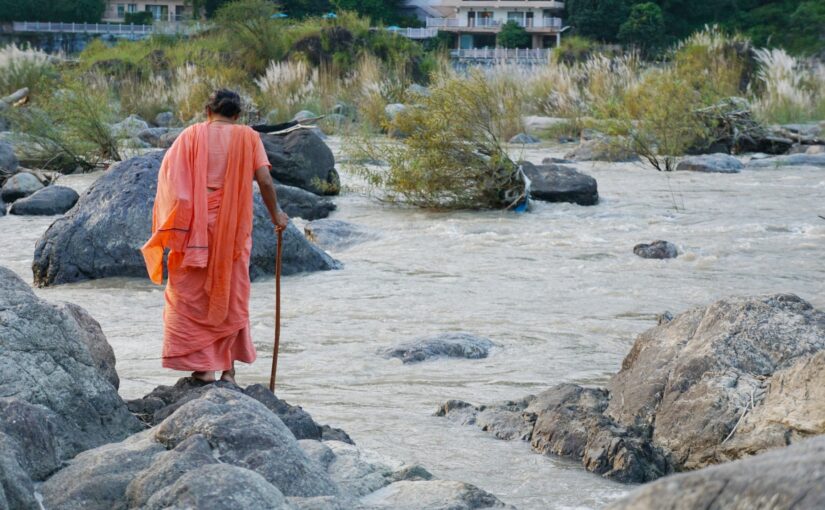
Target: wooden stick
x=277 y=312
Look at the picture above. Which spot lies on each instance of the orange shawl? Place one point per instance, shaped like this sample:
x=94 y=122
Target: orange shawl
x=180 y=216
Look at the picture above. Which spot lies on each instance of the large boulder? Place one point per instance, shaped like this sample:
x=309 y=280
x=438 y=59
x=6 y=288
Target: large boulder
x=56 y=356
x=450 y=345
x=130 y=127
x=8 y=160
x=614 y=149
x=713 y=384
x=783 y=479
x=817 y=160
x=557 y=183
x=48 y=201
x=102 y=235
x=158 y=405
x=711 y=163
x=300 y=158
x=19 y=186
x=160 y=137
x=303 y=204
x=336 y=234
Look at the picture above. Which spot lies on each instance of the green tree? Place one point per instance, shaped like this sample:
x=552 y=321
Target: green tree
x=513 y=36
x=597 y=19
x=644 y=28
x=807 y=28
x=79 y=11
x=305 y=8
x=377 y=10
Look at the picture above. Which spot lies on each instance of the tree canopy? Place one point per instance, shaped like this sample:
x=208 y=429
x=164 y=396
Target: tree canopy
x=513 y=36
x=78 y=11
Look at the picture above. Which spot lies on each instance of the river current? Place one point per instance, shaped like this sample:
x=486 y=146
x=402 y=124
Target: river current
x=558 y=290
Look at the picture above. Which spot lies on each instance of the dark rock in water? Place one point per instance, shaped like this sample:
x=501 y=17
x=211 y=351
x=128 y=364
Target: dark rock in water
x=51 y=200
x=556 y=183
x=102 y=235
x=555 y=161
x=432 y=494
x=45 y=360
x=303 y=160
x=524 y=139
x=165 y=400
x=451 y=345
x=2 y=208
x=711 y=163
x=817 y=160
x=336 y=234
x=656 y=250
x=221 y=425
x=782 y=479
x=713 y=384
x=19 y=186
x=614 y=149
x=298 y=203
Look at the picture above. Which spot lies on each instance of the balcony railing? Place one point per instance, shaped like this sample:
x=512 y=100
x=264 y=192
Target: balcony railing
x=509 y=54
x=492 y=23
x=415 y=33
x=539 y=23
x=108 y=28
x=442 y=22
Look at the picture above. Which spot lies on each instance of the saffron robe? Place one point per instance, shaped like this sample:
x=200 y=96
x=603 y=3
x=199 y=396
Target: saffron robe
x=208 y=235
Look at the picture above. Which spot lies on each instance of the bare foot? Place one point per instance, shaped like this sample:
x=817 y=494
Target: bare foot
x=229 y=376
x=207 y=377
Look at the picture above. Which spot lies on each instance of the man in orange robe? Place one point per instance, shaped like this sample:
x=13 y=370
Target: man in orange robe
x=203 y=215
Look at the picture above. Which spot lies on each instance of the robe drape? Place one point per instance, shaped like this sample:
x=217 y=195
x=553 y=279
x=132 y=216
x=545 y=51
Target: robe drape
x=208 y=238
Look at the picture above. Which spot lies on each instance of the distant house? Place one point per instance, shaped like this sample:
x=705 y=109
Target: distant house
x=476 y=23
x=162 y=10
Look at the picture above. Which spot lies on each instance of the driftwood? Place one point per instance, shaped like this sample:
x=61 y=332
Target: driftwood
x=286 y=127
x=15 y=99
x=736 y=129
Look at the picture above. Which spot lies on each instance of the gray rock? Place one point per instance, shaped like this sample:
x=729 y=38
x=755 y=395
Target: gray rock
x=20 y=185
x=817 y=160
x=298 y=203
x=451 y=345
x=356 y=475
x=811 y=129
x=336 y=234
x=303 y=160
x=712 y=384
x=220 y=487
x=557 y=183
x=48 y=201
x=415 y=91
x=247 y=434
x=102 y=235
x=555 y=161
x=16 y=486
x=431 y=495
x=656 y=250
x=44 y=360
x=783 y=479
x=8 y=160
x=712 y=163
x=165 y=119
x=525 y=139
x=2 y=208
x=304 y=115
x=95 y=341
x=615 y=149
x=154 y=135
x=30 y=432
x=167 y=139
x=393 y=109
x=130 y=127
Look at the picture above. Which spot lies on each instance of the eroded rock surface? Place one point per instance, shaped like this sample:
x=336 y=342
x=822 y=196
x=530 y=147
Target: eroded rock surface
x=102 y=235
x=656 y=250
x=451 y=345
x=711 y=163
x=303 y=204
x=20 y=185
x=48 y=201
x=303 y=160
x=556 y=183
x=715 y=383
x=336 y=234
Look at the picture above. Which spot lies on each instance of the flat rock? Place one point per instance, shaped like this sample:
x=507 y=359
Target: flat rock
x=451 y=345
x=48 y=201
x=20 y=185
x=557 y=183
x=336 y=234
x=524 y=139
x=711 y=163
x=656 y=250
x=817 y=160
x=783 y=479
x=45 y=359
x=301 y=159
x=432 y=495
x=713 y=384
x=298 y=203
x=102 y=235
x=603 y=149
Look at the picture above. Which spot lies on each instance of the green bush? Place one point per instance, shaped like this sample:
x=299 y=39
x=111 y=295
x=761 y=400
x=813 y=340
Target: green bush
x=139 y=18
x=513 y=36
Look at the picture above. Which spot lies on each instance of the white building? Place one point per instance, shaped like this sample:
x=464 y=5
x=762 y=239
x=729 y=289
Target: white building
x=162 y=10
x=476 y=23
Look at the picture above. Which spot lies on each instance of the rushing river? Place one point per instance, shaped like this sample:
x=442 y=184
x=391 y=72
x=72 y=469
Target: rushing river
x=559 y=290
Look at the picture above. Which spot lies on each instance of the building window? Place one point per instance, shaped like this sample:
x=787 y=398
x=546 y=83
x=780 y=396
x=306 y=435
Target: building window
x=121 y=10
x=131 y=8
x=159 y=12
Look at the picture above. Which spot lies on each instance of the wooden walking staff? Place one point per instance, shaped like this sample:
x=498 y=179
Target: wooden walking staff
x=277 y=311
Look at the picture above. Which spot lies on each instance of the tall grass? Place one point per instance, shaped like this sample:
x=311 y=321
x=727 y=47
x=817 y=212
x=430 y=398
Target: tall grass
x=24 y=67
x=790 y=90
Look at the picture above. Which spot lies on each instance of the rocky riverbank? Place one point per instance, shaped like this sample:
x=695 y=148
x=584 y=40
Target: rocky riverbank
x=70 y=442
x=717 y=383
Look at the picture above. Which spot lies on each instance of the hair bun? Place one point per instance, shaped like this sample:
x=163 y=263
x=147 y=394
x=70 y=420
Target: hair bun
x=224 y=102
